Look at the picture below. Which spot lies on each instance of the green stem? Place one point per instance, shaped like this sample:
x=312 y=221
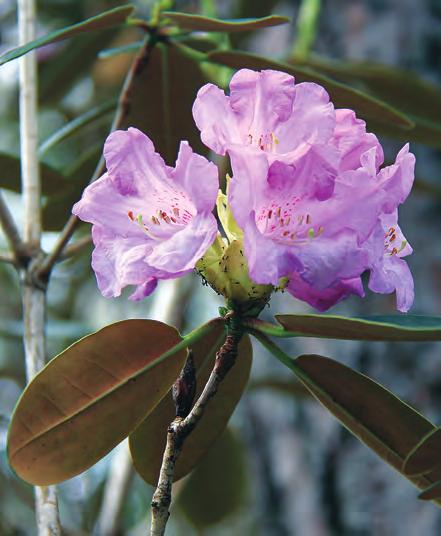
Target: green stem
x=268 y=329
x=306 y=28
x=282 y=357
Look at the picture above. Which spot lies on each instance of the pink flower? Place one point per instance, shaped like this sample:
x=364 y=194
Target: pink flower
x=307 y=190
x=150 y=221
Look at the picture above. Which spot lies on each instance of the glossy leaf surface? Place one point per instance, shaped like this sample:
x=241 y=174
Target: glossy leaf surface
x=375 y=328
x=217 y=487
x=208 y=24
x=91 y=396
x=148 y=441
x=342 y=95
x=113 y=17
x=432 y=492
x=382 y=421
x=426 y=456
x=164 y=88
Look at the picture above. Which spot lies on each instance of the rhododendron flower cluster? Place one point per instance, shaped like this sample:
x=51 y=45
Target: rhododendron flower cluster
x=308 y=198
x=150 y=221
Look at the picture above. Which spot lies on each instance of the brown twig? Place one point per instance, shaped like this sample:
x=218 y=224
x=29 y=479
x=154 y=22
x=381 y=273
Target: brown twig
x=11 y=231
x=181 y=426
x=76 y=247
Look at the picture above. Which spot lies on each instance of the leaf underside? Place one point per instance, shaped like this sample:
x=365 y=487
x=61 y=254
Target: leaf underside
x=382 y=421
x=91 y=396
x=375 y=328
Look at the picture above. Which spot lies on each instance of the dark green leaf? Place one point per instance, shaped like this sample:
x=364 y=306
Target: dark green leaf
x=374 y=328
x=285 y=387
x=432 y=492
x=161 y=99
x=148 y=441
x=343 y=96
x=123 y=49
x=217 y=487
x=424 y=131
x=425 y=456
x=403 y=89
x=113 y=17
x=378 y=418
x=72 y=127
x=10 y=172
x=208 y=24
x=86 y=400
x=70 y=64
x=57 y=208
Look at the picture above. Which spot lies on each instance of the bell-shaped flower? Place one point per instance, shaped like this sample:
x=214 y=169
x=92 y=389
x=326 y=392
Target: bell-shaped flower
x=323 y=245
x=307 y=189
x=288 y=122
x=150 y=221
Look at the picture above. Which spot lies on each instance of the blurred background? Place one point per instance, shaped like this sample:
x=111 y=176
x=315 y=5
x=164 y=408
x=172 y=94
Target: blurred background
x=286 y=467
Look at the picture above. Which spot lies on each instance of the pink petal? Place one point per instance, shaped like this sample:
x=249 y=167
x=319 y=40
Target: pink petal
x=393 y=275
x=180 y=253
x=261 y=100
x=215 y=119
x=197 y=176
x=325 y=298
x=352 y=140
x=312 y=119
x=118 y=261
x=132 y=162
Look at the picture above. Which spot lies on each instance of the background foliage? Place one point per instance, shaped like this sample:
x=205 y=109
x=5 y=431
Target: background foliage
x=308 y=475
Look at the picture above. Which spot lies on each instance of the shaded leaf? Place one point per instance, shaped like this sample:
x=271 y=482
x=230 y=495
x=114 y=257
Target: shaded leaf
x=52 y=181
x=284 y=387
x=418 y=98
x=258 y=8
x=374 y=328
x=113 y=17
x=382 y=421
x=217 y=487
x=425 y=456
x=201 y=23
x=58 y=75
x=372 y=413
x=91 y=396
x=123 y=49
x=73 y=127
x=404 y=89
x=343 y=96
x=431 y=493
x=58 y=208
x=148 y=441
x=161 y=99
x=424 y=131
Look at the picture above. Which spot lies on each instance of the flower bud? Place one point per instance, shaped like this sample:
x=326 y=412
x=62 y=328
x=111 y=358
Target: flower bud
x=225 y=269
